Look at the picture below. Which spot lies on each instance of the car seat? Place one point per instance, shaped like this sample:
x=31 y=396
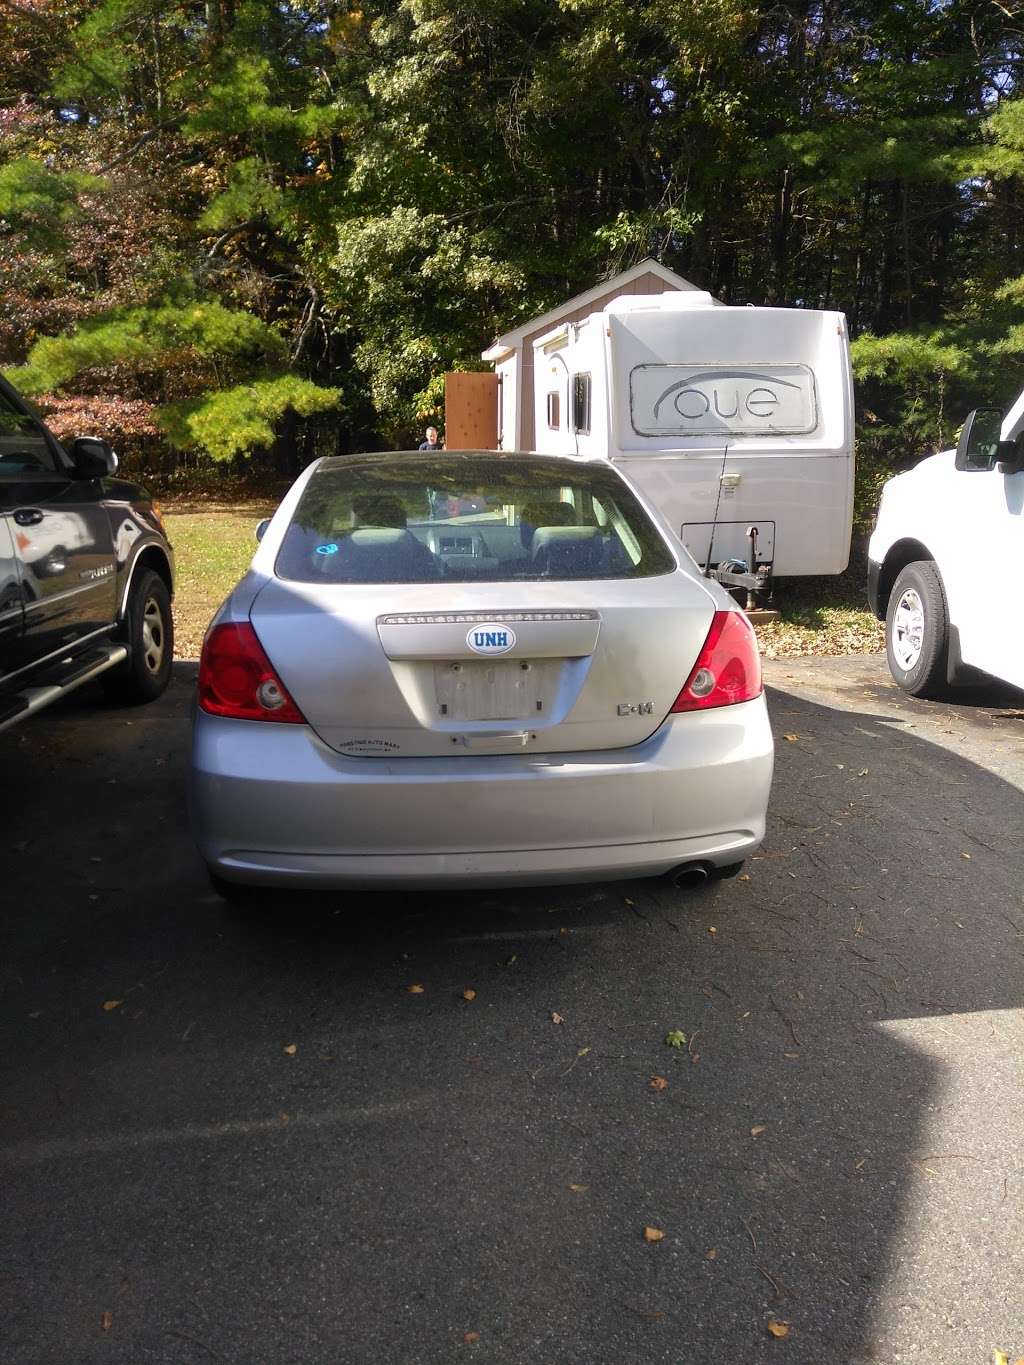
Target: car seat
x=568 y=551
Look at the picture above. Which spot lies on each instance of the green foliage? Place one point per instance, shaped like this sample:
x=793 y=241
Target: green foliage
x=239 y=420
x=148 y=339
x=361 y=196
x=36 y=203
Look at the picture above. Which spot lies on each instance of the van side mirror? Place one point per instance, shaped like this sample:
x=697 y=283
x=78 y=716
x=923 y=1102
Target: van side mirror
x=92 y=458
x=261 y=528
x=980 y=448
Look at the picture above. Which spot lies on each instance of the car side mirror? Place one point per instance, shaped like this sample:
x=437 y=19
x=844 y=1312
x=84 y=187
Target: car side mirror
x=92 y=458
x=980 y=447
x=261 y=528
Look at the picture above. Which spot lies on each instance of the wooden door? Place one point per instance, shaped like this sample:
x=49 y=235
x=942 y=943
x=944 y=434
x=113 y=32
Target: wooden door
x=471 y=411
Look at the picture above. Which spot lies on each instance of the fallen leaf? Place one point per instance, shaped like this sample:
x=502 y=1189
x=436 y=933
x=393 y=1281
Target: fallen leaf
x=627 y=901
x=583 y=1052
x=792 y=738
x=743 y=877
x=791 y=1055
x=758 y=1128
x=469 y=994
x=653 y=1234
x=711 y=1255
x=966 y=855
x=106 y=1321
x=712 y=929
x=415 y=989
x=470 y=1337
x=1000 y=1358
x=675 y=1038
x=291 y=1049
x=556 y=1018
x=658 y=1083
x=777 y=1328
x=579 y=1189
x=112 y=1004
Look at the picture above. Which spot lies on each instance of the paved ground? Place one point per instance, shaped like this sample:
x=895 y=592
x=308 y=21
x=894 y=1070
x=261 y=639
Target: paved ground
x=428 y=1179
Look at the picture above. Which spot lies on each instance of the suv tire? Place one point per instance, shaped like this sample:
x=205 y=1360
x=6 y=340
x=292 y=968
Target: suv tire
x=917 y=631
x=149 y=630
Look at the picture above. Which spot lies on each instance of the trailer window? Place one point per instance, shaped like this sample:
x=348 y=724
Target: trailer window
x=581 y=404
x=715 y=400
x=554 y=410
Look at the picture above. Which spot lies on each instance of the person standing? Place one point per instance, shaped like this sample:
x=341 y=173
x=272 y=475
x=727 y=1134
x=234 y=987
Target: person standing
x=432 y=442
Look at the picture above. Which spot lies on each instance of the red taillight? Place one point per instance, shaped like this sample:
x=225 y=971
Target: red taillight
x=728 y=668
x=236 y=679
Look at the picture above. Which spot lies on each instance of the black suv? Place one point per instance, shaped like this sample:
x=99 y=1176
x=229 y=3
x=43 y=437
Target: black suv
x=86 y=571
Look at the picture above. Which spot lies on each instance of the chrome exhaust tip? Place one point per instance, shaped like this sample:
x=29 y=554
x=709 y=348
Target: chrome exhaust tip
x=689 y=876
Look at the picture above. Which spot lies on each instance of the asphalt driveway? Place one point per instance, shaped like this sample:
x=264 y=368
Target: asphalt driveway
x=240 y=1137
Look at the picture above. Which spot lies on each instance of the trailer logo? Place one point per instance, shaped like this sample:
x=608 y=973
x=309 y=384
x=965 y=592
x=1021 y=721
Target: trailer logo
x=676 y=400
x=491 y=638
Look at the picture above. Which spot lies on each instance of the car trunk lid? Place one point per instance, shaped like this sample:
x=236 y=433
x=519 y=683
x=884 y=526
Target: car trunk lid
x=415 y=670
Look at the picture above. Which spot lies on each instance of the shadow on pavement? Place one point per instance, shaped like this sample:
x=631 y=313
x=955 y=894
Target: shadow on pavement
x=423 y=1167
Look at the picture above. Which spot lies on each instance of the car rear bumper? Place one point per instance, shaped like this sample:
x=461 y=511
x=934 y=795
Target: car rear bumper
x=273 y=805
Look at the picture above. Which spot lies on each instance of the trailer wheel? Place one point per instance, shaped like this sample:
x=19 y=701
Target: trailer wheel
x=917 y=631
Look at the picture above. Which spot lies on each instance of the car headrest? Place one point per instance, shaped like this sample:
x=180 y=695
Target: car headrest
x=379 y=536
x=555 y=537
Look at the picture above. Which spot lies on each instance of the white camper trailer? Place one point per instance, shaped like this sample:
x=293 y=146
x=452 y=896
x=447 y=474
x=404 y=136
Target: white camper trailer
x=736 y=423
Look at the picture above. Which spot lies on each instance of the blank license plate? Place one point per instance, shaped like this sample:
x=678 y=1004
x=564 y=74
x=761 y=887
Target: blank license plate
x=503 y=689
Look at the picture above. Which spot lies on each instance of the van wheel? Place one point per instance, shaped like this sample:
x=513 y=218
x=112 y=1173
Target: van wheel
x=917 y=631
x=149 y=629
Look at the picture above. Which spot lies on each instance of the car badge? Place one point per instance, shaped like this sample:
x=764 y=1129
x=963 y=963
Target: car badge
x=491 y=638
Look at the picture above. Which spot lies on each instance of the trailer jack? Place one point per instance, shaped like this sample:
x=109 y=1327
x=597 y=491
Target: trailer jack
x=756 y=578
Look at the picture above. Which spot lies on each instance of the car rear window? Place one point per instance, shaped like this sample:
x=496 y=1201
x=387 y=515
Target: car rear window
x=459 y=518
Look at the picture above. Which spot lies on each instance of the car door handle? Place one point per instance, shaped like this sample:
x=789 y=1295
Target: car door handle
x=28 y=516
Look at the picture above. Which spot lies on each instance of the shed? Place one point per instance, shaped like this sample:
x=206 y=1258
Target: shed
x=512 y=353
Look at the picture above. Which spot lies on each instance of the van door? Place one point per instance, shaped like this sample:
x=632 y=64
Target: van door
x=61 y=535
x=988 y=535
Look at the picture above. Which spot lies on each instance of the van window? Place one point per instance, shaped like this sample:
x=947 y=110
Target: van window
x=581 y=404
x=554 y=410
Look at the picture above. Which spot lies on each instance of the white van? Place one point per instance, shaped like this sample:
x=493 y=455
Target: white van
x=737 y=418
x=944 y=555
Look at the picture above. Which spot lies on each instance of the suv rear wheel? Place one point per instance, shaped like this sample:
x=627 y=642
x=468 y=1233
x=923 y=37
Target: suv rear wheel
x=149 y=626
x=917 y=631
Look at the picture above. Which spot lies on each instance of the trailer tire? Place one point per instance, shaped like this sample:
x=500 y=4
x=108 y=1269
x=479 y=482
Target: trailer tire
x=917 y=631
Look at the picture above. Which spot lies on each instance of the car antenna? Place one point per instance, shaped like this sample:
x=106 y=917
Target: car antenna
x=718 y=502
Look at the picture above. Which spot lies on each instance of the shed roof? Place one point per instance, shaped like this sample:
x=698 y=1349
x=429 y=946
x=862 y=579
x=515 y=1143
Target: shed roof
x=510 y=340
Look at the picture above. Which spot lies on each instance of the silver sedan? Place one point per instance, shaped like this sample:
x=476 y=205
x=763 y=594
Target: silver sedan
x=475 y=669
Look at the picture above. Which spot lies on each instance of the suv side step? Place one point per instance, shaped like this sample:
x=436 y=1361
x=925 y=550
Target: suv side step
x=73 y=674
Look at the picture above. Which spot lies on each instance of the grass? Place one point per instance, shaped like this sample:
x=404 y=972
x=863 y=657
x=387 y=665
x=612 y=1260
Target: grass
x=213 y=546
x=212 y=550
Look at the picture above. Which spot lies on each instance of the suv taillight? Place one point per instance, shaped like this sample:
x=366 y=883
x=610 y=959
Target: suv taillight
x=728 y=668
x=236 y=679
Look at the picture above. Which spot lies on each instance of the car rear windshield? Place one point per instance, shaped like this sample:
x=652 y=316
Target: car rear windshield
x=458 y=518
